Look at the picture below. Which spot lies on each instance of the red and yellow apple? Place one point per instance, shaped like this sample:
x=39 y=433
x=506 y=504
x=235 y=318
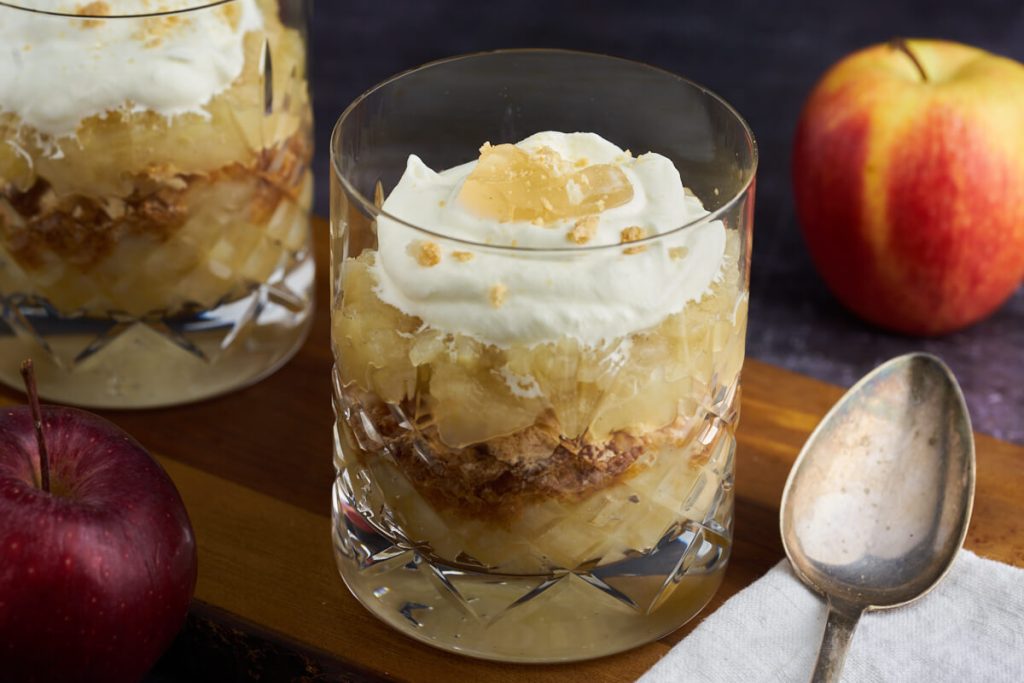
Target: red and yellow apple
x=908 y=171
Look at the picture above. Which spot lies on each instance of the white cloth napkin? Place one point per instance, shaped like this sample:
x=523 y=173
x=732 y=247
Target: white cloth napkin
x=969 y=628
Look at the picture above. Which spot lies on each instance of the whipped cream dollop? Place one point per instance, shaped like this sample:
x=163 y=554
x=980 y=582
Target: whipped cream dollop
x=56 y=71
x=505 y=297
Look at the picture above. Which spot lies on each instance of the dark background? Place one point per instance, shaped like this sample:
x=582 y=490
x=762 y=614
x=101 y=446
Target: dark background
x=763 y=57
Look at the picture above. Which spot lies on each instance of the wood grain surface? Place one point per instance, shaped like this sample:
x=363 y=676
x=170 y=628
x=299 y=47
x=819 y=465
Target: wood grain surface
x=254 y=469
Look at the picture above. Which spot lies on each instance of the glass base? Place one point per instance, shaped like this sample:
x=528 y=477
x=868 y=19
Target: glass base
x=127 y=362
x=564 y=615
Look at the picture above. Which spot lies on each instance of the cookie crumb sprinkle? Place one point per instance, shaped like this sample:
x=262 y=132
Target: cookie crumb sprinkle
x=93 y=9
x=632 y=234
x=428 y=254
x=583 y=230
x=498 y=293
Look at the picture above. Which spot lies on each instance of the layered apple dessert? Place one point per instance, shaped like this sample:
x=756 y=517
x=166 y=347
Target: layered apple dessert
x=150 y=166
x=537 y=359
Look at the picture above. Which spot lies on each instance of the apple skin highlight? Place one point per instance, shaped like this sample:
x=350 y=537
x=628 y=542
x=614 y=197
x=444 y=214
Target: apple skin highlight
x=95 y=576
x=910 y=192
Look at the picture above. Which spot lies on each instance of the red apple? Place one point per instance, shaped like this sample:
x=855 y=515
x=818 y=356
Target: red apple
x=908 y=169
x=96 y=573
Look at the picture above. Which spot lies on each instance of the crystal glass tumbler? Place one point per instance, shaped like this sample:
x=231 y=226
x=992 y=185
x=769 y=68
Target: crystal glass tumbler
x=154 y=196
x=539 y=301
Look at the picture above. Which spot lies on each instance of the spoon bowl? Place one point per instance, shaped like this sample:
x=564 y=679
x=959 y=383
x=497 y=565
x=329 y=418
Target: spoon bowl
x=878 y=502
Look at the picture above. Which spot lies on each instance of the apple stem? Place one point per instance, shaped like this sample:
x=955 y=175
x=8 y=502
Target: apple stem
x=29 y=376
x=901 y=45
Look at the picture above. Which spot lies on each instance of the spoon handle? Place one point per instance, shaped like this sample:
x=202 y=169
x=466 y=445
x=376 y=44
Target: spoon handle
x=842 y=620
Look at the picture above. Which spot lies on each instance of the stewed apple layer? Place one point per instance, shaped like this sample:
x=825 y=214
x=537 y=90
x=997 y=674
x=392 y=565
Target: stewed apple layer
x=484 y=451
x=138 y=213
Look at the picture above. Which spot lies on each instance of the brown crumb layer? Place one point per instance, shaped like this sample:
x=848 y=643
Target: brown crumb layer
x=496 y=478
x=84 y=230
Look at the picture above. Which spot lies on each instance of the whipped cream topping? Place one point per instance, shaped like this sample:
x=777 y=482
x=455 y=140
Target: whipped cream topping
x=501 y=298
x=56 y=71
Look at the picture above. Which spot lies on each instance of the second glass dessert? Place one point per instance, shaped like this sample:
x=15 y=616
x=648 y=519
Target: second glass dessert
x=155 y=188
x=540 y=267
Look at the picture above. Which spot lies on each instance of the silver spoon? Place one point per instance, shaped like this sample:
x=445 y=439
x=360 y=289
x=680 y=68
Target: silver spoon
x=877 y=504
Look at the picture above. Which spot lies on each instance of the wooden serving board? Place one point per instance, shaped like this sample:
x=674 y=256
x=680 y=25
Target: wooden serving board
x=254 y=469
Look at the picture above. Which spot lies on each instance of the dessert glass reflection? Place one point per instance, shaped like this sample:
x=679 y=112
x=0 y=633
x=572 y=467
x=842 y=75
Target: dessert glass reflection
x=538 y=337
x=154 y=195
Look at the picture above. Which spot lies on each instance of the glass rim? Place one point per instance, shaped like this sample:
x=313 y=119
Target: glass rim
x=367 y=204
x=203 y=4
